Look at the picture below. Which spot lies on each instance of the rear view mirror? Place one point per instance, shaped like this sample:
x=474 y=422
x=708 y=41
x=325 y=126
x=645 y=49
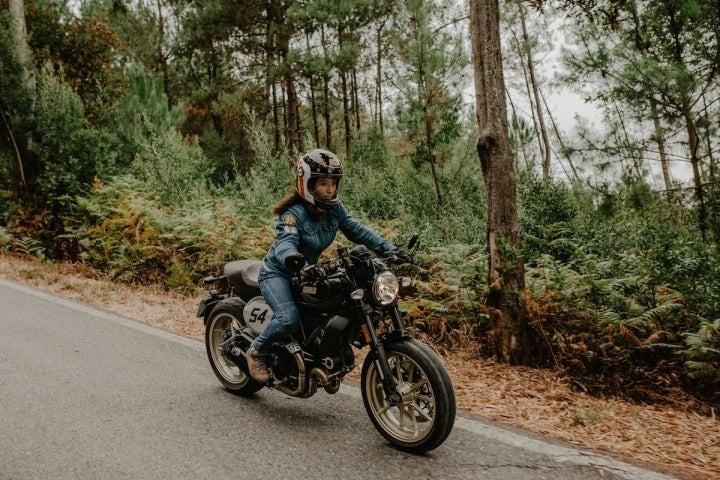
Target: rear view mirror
x=414 y=242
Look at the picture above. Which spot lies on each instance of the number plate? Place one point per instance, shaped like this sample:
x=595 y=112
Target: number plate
x=257 y=314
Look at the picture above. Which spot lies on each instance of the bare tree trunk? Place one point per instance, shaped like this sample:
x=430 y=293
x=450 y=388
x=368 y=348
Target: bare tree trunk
x=326 y=97
x=19 y=35
x=22 y=183
x=378 y=79
x=660 y=140
x=528 y=165
x=511 y=330
x=346 y=111
x=536 y=93
x=270 y=80
x=313 y=102
x=356 y=98
x=708 y=141
x=563 y=149
x=294 y=143
x=162 y=57
x=345 y=99
x=22 y=53
x=694 y=144
x=431 y=158
x=276 y=117
x=292 y=121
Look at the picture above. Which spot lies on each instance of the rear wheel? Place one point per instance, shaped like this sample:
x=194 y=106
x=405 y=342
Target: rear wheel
x=225 y=321
x=426 y=413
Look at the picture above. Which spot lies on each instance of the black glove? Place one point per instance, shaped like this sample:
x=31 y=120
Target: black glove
x=400 y=256
x=294 y=262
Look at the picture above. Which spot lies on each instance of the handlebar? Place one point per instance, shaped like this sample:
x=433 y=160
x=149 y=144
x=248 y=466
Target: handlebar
x=326 y=269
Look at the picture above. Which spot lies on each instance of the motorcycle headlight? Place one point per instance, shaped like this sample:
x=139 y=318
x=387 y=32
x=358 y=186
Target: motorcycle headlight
x=385 y=288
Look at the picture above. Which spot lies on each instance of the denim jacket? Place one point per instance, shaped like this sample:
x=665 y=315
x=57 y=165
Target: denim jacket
x=298 y=230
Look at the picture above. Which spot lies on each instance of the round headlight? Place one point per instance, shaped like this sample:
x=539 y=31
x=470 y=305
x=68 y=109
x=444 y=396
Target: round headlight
x=385 y=288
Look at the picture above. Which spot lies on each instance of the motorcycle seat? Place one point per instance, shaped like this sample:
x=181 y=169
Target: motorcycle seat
x=243 y=275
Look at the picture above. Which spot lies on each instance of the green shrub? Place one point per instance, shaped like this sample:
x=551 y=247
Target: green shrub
x=547 y=212
x=703 y=360
x=126 y=233
x=68 y=150
x=371 y=184
x=171 y=168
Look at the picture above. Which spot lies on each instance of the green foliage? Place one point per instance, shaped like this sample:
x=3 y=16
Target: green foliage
x=83 y=48
x=230 y=149
x=372 y=178
x=627 y=286
x=69 y=152
x=171 y=168
x=141 y=116
x=258 y=184
x=703 y=359
x=393 y=188
x=547 y=212
x=429 y=109
x=129 y=236
x=15 y=116
x=23 y=244
x=147 y=104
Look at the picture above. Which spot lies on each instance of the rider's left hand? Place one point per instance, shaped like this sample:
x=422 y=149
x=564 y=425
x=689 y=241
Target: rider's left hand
x=402 y=256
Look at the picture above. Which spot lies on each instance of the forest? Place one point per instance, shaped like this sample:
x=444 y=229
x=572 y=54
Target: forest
x=149 y=140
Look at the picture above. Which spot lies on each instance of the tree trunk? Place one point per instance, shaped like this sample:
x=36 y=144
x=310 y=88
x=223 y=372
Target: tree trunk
x=660 y=140
x=292 y=122
x=22 y=53
x=276 y=118
x=431 y=158
x=708 y=139
x=563 y=149
x=19 y=35
x=536 y=93
x=346 y=112
x=22 y=183
x=293 y=116
x=694 y=144
x=326 y=96
x=345 y=99
x=162 y=59
x=378 y=80
x=313 y=101
x=510 y=334
x=356 y=98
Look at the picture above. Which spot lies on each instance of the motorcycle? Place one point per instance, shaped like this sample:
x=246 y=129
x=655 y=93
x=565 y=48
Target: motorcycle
x=350 y=301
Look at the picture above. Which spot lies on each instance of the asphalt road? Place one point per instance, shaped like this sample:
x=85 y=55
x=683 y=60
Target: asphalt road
x=86 y=394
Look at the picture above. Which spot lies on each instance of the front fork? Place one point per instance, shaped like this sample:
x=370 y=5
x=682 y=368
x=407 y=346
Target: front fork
x=388 y=379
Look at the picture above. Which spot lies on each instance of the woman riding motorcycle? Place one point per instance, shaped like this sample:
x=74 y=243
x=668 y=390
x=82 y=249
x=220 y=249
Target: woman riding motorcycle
x=308 y=221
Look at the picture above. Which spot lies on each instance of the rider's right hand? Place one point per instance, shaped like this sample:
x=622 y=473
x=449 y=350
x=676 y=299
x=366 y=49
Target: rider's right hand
x=295 y=262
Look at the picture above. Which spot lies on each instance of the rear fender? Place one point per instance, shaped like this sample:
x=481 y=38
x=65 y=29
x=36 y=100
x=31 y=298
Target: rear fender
x=207 y=304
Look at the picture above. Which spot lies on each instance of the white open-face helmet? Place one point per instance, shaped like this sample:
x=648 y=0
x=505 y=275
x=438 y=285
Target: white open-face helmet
x=315 y=164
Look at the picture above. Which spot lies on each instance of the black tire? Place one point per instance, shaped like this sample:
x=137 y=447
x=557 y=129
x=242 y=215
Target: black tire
x=427 y=413
x=228 y=315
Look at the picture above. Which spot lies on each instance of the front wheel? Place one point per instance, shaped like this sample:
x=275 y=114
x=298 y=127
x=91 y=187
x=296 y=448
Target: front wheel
x=425 y=416
x=224 y=323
